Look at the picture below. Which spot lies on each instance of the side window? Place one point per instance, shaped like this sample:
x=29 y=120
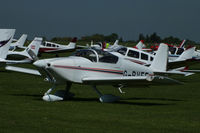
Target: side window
x=172 y=50
x=144 y=56
x=134 y=54
x=151 y=58
x=180 y=51
x=53 y=45
x=48 y=45
x=43 y=44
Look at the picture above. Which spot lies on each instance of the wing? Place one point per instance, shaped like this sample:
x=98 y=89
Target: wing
x=23 y=70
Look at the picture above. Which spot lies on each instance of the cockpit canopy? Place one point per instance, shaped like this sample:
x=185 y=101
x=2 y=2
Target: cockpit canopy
x=96 y=55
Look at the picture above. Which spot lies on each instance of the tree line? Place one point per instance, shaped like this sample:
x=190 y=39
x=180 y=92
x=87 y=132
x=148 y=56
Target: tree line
x=152 y=38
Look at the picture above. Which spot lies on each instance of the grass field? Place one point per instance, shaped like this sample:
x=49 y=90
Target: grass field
x=169 y=108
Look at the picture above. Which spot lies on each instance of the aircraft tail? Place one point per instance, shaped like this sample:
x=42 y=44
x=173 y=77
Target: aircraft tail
x=140 y=45
x=20 y=42
x=182 y=44
x=187 y=54
x=116 y=43
x=159 y=63
x=34 y=45
x=73 y=43
x=6 y=36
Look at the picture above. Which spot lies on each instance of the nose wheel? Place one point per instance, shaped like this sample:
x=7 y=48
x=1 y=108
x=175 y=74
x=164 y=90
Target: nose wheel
x=59 y=95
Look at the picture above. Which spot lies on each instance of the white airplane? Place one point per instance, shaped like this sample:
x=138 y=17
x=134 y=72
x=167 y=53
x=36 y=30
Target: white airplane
x=100 y=45
x=24 y=55
x=6 y=36
x=19 y=43
x=145 y=58
x=50 y=47
x=94 y=67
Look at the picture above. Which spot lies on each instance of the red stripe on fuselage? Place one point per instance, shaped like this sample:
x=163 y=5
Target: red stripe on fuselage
x=91 y=69
x=47 y=49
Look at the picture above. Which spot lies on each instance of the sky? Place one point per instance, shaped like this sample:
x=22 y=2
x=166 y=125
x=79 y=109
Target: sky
x=127 y=18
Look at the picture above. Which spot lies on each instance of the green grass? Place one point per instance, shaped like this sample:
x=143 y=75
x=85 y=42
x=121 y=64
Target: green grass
x=161 y=109
x=142 y=109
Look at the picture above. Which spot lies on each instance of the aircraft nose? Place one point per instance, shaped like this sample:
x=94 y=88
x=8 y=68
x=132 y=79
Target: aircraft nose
x=40 y=63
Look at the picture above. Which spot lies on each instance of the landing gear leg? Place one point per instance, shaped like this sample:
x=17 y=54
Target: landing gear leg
x=68 y=94
x=49 y=97
x=108 y=98
x=59 y=95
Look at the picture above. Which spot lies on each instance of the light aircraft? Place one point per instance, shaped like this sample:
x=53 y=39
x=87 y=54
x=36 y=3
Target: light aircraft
x=98 y=67
x=155 y=47
x=19 y=43
x=100 y=45
x=23 y=55
x=6 y=36
x=145 y=58
x=50 y=47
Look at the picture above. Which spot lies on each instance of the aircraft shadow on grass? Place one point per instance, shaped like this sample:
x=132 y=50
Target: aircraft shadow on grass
x=123 y=101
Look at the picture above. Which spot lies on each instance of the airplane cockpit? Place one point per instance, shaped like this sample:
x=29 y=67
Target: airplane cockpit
x=49 y=44
x=95 y=55
x=176 y=51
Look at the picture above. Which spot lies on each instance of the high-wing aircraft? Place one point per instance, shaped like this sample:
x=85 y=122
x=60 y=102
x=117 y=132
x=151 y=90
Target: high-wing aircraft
x=19 y=43
x=50 y=47
x=98 y=67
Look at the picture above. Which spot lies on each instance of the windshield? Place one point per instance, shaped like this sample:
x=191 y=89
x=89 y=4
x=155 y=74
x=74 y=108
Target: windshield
x=106 y=57
x=88 y=54
x=122 y=50
x=172 y=50
x=180 y=51
x=92 y=54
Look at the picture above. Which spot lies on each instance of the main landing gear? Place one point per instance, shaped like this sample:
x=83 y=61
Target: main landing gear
x=59 y=95
x=107 y=98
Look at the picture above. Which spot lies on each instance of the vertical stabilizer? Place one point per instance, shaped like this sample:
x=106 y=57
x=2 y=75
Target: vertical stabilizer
x=72 y=44
x=182 y=44
x=35 y=45
x=140 y=45
x=6 y=36
x=20 y=42
x=159 y=63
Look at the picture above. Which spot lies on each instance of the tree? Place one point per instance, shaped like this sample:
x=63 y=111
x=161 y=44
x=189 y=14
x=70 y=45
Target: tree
x=154 y=38
x=141 y=37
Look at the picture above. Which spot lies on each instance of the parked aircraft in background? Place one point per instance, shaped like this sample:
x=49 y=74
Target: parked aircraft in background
x=6 y=36
x=19 y=43
x=145 y=58
x=101 y=45
x=19 y=55
x=50 y=47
